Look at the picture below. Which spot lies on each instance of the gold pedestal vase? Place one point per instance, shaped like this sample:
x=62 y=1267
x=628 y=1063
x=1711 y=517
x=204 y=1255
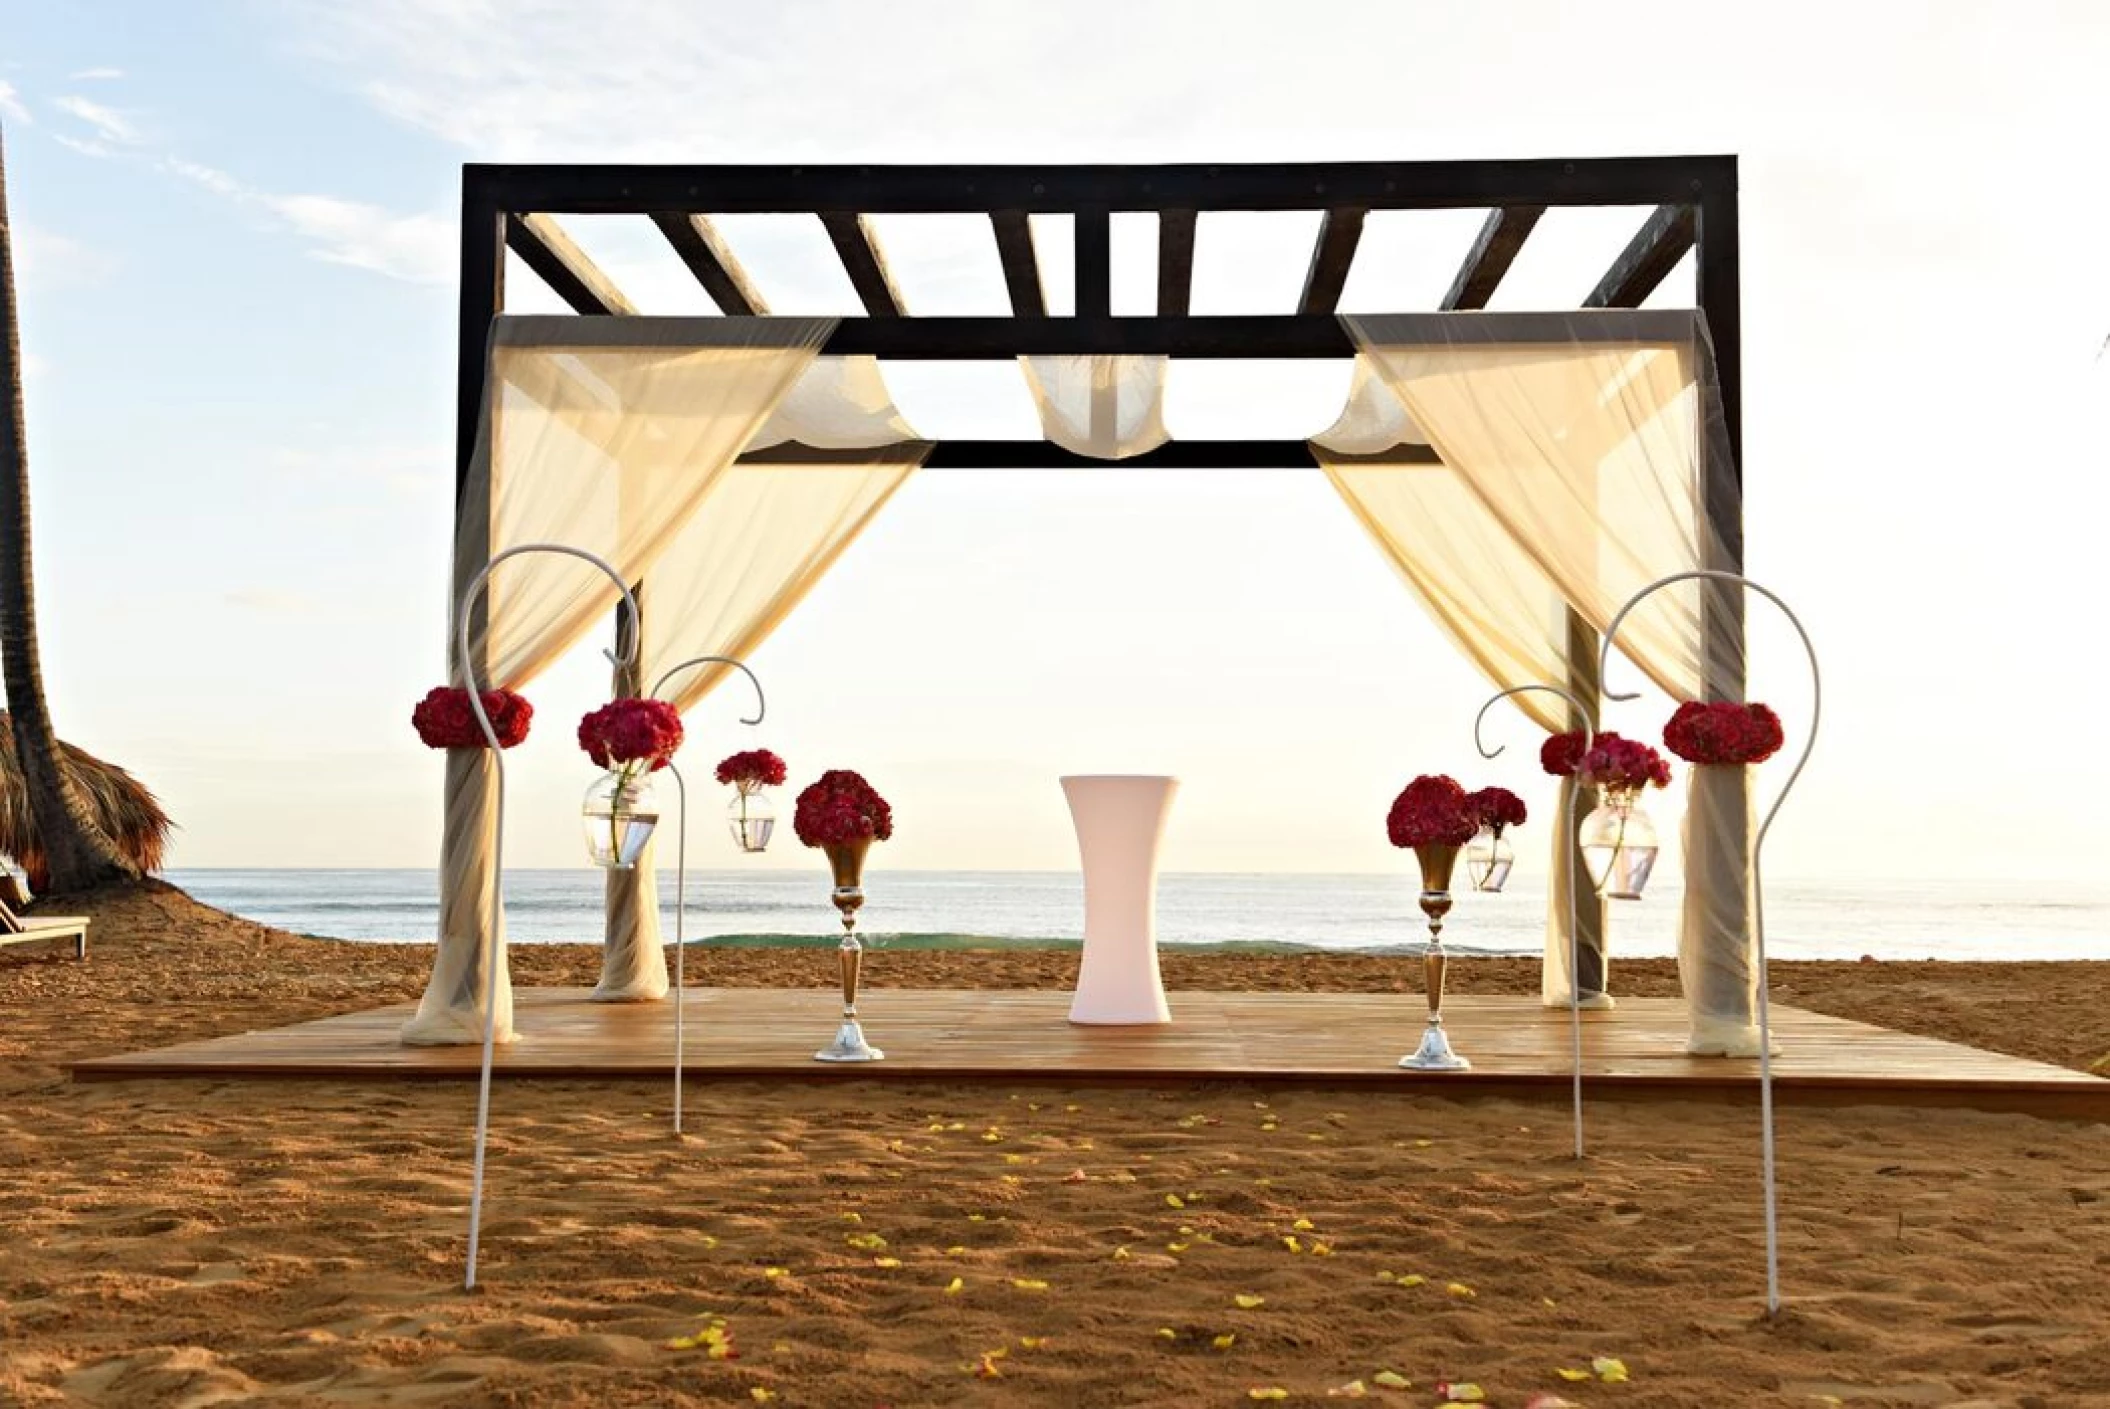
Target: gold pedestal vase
x=1434 y=1053
x=847 y=861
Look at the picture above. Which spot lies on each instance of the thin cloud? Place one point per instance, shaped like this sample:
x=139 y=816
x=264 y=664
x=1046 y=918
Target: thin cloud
x=11 y=104
x=96 y=75
x=112 y=128
x=418 y=248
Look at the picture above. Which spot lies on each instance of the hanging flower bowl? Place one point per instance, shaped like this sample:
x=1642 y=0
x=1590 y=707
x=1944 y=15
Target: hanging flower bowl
x=1618 y=840
x=1489 y=856
x=632 y=739
x=750 y=816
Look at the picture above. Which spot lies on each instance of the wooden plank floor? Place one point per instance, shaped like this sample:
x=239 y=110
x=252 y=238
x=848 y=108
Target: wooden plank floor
x=1010 y=1035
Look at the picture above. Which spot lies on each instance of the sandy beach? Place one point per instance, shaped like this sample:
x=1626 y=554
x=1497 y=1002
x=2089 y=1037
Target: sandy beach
x=214 y=1242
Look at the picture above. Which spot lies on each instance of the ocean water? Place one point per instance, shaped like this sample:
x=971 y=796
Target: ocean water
x=935 y=909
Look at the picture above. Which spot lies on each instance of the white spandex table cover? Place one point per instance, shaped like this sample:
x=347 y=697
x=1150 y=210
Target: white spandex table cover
x=1119 y=820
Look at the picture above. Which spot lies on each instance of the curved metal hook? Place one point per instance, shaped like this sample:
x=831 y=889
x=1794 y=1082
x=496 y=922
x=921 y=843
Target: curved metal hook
x=498 y=835
x=1758 y=890
x=761 y=704
x=1582 y=712
x=1588 y=717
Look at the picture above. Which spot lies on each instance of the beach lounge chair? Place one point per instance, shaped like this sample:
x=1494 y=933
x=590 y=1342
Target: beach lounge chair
x=37 y=929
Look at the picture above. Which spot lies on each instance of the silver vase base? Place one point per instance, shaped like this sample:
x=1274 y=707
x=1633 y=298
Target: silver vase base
x=849 y=1046
x=1434 y=1053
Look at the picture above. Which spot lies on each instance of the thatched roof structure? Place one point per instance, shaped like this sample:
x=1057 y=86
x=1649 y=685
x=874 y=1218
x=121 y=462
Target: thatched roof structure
x=129 y=814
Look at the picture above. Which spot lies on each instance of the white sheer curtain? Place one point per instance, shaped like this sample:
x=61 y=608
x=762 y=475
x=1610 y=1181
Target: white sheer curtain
x=603 y=434
x=1108 y=407
x=1493 y=600
x=763 y=538
x=1587 y=436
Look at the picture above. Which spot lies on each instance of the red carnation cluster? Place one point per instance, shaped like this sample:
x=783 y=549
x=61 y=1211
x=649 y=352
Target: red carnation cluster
x=1623 y=765
x=1431 y=811
x=841 y=808
x=1496 y=808
x=631 y=731
x=1723 y=732
x=1561 y=754
x=755 y=768
x=445 y=720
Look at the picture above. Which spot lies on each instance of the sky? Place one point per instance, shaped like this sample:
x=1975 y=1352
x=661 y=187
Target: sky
x=236 y=233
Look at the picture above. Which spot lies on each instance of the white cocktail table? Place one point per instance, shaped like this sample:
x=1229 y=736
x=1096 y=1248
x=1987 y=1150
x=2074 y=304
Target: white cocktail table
x=1119 y=819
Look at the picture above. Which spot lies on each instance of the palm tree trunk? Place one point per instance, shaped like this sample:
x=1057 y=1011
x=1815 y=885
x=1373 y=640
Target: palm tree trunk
x=79 y=855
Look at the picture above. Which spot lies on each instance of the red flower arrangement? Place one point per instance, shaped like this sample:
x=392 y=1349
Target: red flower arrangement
x=752 y=770
x=1561 y=754
x=841 y=808
x=1623 y=765
x=1433 y=810
x=624 y=733
x=1496 y=808
x=444 y=719
x=1723 y=732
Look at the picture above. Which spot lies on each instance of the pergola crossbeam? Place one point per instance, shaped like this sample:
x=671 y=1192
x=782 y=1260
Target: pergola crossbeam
x=1647 y=259
x=1014 y=250
x=1095 y=264
x=544 y=247
x=697 y=241
x=1493 y=251
x=1175 y=262
x=1331 y=256
x=1045 y=455
x=857 y=245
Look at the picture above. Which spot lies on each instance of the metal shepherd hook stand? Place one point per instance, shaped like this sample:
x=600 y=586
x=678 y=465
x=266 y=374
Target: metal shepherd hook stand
x=681 y=856
x=498 y=838
x=1758 y=889
x=1589 y=735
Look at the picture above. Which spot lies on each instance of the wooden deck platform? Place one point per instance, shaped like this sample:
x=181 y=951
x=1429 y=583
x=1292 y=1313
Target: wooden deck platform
x=1331 y=1039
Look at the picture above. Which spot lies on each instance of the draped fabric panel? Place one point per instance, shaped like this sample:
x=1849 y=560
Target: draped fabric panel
x=1587 y=436
x=764 y=537
x=1108 y=407
x=603 y=434
x=1490 y=597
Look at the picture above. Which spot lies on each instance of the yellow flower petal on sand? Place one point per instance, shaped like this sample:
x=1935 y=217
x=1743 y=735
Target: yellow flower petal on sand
x=1226 y=1340
x=1412 y=1279
x=1247 y=1302
x=1267 y=1392
x=1121 y=1254
x=1304 y=1225
x=1321 y=1250
x=1460 y=1290
x=1391 y=1379
x=775 y=1272
x=886 y=1262
x=760 y=1394
x=1354 y=1389
x=1175 y=1247
x=708 y=1242
x=953 y=1287
x=1610 y=1369
x=1175 y=1201
x=853 y=1218
x=955 y=1250
x=1032 y=1342
x=1029 y=1284
x=1386 y=1277
x=1166 y=1333
x=1572 y=1376
x=1467 y=1393
x=1292 y=1244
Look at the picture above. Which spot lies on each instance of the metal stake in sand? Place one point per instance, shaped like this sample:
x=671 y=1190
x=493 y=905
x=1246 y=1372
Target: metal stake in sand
x=498 y=846
x=1589 y=735
x=681 y=857
x=1758 y=891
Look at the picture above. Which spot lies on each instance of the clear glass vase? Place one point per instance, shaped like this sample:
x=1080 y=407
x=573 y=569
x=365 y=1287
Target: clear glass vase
x=1619 y=845
x=751 y=819
x=618 y=817
x=1488 y=859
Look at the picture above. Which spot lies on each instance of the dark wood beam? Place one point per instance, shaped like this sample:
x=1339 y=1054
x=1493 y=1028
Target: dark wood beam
x=857 y=244
x=852 y=190
x=1339 y=234
x=711 y=260
x=1095 y=264
x=483 y=297
x=1296 y=335
x=544 y=247
x=1014 y=248
x=1044 y=455
x=1175 y=262
x=1501 y=237
x=1647 y=259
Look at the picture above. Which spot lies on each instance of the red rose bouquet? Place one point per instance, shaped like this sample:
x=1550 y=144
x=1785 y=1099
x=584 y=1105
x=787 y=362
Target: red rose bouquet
x=623 y=734
x=1723 y=732
x=1623 y=765
x=445 y=720
x=839 y=809
x=752 y=770
x=1431 y=811
x=1496 y=808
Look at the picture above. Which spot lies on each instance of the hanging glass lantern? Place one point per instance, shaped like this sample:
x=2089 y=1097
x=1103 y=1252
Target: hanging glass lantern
x=751 y=818
x=1488 y=859
x=1619 y=845
x=618 y=817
